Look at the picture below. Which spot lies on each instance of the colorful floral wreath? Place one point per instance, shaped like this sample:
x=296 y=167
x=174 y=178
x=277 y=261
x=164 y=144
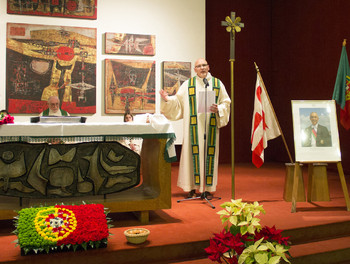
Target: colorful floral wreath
x=56 y=227
x=55 y=224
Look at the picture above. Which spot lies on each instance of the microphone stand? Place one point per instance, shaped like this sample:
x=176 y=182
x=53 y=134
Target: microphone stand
x=203 y=195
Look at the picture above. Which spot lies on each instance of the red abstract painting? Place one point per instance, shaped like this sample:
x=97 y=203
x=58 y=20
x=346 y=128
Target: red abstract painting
x=44 y=61
x=130 y=44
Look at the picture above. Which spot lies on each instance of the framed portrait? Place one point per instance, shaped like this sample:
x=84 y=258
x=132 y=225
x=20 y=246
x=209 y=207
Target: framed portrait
x=315 y=128
x=174 y=74
x=129 y=86
x=46 y=60
x=86 y=9
x=130 y=44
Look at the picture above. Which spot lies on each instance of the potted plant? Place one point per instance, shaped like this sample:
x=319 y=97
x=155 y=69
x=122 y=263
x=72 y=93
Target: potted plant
x=244 y=240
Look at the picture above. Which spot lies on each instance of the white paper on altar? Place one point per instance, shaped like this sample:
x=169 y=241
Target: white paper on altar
x=201 y=101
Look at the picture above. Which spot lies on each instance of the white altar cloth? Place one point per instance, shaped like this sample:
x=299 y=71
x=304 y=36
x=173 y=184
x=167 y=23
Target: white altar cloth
x=159 y=127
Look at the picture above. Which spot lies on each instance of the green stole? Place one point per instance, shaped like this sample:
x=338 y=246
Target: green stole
x=47 y=111
x=211 y=140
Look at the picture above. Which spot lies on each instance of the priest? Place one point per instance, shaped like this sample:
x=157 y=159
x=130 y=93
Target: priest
x=198 y=166
x=54 y=109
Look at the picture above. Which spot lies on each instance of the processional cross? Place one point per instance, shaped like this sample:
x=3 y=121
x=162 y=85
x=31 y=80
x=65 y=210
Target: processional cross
x=233 y=24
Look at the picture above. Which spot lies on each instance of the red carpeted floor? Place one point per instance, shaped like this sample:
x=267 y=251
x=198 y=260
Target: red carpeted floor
x=195 y=221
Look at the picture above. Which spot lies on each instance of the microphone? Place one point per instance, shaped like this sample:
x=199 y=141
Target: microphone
x=205 y=82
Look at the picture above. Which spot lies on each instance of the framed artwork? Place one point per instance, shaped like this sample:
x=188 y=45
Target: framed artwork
x=129 y=86
x=130 y=44
x=86 y=9
x=44 y=61
x=174 y=74
x=315 y=126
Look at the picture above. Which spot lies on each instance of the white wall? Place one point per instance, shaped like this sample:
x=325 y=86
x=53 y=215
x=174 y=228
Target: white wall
x=179 y=27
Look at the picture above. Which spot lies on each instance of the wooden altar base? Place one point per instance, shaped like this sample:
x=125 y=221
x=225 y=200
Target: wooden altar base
x=320 y=230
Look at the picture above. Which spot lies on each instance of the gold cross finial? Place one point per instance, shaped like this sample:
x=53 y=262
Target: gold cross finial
x=233 y=24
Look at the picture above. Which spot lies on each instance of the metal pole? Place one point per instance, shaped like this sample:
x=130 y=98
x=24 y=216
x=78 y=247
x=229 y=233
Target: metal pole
x=233 y=190
x=233 y=24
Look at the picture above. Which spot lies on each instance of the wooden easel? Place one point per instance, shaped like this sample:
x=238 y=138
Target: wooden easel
x=342 y=181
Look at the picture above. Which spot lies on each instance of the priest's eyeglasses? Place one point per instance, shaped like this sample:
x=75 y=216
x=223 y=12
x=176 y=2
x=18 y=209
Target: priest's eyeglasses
x=201 y=65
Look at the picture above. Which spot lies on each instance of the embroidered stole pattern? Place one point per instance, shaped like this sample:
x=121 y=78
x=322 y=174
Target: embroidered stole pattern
x=211 y=140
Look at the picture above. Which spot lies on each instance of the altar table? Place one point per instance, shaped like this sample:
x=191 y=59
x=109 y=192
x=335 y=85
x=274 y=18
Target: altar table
x=154 y=191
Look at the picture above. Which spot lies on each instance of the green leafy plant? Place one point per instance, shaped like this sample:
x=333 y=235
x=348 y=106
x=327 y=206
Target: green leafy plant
x=263 y=252
x=244 y=240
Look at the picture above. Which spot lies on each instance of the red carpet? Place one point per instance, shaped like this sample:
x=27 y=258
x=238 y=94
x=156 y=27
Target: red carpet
x=191 y=223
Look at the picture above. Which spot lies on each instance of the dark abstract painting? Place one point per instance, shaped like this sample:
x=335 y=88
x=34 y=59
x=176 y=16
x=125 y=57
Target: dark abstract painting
x=86 y=9
x=174 y=74
x=129 y=86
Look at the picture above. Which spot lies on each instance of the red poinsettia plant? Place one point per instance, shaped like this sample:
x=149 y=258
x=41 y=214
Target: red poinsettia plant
x=5 y=118
x=244 y=240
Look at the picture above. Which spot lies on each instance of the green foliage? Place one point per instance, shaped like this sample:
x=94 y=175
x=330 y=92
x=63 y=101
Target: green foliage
x=263 y=253
x=243 y=215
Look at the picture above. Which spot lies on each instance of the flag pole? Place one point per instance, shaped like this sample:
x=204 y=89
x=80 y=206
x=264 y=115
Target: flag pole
x=273 y=110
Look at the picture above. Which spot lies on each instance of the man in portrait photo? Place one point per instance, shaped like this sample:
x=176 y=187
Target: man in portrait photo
x=315 y=135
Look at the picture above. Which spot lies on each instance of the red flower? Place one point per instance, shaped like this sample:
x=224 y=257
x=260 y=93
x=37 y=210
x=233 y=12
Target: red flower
x=272 y=234
x=216 y=250
x=7 y=120
x=231 y=241
x=91 y=224
x=232 y=260
x=225 y=242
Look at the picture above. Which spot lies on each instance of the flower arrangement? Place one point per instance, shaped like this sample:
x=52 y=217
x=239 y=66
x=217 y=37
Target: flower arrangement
x=5 y=118
x=52 y=228
x=243 y=240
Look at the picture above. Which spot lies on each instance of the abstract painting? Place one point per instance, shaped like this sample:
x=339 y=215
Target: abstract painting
x=44 y=61
x=174 y=74
x=130 y=44
x=129 y=86
x=86 y=9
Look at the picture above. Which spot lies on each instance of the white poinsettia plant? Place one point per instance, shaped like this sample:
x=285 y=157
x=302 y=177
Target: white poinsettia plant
x=244 y=240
